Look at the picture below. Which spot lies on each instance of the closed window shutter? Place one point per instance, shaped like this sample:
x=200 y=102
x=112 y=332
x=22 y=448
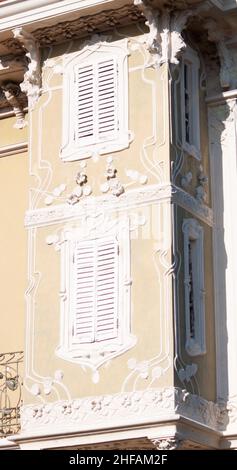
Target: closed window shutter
x=84 y=102
x=95 y=290
x=83 y=292
x=95 y=102
x=107 y=96
x=107 y=290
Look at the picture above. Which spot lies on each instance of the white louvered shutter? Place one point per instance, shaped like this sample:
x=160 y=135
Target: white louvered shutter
x=107 y=289
x=95 y=290
x=96 y=102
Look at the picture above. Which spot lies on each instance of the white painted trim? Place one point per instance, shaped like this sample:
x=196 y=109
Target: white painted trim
x=6 y=444
x=221 y=98
x=190 y=58
x=193 y=232
x=92 y=54
x=13 y=149
x=177 y=429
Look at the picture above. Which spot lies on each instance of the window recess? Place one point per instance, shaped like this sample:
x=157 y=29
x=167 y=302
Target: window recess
x=194 y=290
x=190 y=103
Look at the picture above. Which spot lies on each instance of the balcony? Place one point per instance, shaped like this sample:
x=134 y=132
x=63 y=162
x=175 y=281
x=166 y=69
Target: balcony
x=11 y=365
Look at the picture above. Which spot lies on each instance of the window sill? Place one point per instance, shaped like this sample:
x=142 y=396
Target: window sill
x=72 y=153
x=95 y=355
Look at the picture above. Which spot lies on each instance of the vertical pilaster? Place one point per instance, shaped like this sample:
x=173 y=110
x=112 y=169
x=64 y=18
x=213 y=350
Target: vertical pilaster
x=223 y=159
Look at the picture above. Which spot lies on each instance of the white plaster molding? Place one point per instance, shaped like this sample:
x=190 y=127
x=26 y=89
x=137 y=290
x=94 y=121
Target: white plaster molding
x=32 y=77
x=108 y=203
x=153 y=405
x=165 y=38
x=13 y=149
x=92 y=205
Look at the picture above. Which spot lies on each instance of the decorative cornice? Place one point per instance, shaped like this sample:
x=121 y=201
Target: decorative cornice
x=153 y=405
x=165 y=39
x=90 y=24
x=130 y=199
x=32 y=77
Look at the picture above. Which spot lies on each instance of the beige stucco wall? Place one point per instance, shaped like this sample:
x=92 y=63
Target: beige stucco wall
x=13 y=239
x=151 y=303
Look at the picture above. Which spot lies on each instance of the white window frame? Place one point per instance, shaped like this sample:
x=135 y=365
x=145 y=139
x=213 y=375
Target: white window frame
x=193 y=232
x=94 y=354
x=71 y=150
x=191 y=60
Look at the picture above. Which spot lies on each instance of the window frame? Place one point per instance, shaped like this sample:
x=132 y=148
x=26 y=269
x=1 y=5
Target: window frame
x=193 y=232
x=94 y=354
x=191 y=60
x=93 y=53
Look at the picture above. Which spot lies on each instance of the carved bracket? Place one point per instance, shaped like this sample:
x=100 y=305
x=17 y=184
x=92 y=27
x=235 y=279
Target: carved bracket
x=12 y=94
x=226 y=61
x=32 y=78
x=165 y=38
x=167 y=443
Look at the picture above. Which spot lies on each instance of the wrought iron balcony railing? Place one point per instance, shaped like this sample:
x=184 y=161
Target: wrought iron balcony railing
x=10 y=392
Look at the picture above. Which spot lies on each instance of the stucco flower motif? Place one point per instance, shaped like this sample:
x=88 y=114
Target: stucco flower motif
x=66 y=409
x=37 y=412
x=117 y=189
x=81 y=178
x=72 y=199
x=96 y=405
x=126 y=401
x=110 y=172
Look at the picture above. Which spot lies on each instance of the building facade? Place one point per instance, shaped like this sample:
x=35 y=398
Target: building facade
x=120 y=118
